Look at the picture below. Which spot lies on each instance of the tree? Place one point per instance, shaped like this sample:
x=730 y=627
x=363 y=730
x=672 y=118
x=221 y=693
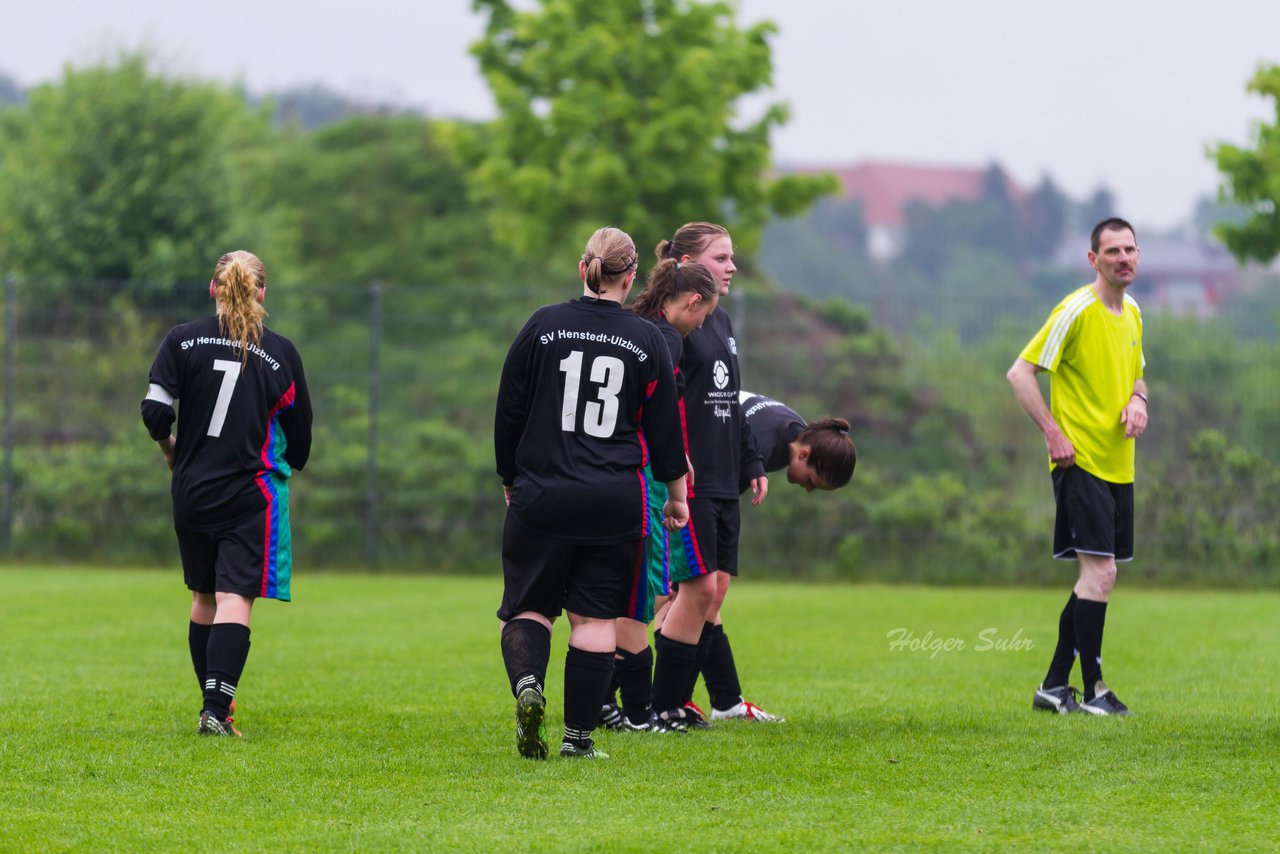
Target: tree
x=1252 y=180
x=379 y=197
x=627 y=113
x=116 y=173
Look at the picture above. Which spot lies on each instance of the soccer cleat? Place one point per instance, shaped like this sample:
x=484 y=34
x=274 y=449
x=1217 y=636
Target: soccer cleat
x=611 y=717
x=531 y=726
x=1061 y=700
x=573 y=750
x=1106 y=704
x=747 y=711
x=668 y=721
x=210 y=725
x=695 y=718
x=629 y=725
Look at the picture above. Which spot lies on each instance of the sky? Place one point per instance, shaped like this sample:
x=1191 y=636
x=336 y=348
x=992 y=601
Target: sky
x=1126 y=94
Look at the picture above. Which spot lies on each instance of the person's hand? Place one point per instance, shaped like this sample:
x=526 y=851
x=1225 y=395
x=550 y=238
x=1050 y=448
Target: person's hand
x=506 y=494
x=166 y=448
x=1134 y=417
x=1061 y=451
x=675 y=514
x=759 y=489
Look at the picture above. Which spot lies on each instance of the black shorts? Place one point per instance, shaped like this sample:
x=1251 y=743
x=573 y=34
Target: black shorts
x=252 y=557
x=1094 y=516
x=710 y=541
x=547 y=577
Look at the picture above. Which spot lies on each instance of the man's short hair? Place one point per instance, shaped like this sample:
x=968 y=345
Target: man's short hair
x=1111 y=223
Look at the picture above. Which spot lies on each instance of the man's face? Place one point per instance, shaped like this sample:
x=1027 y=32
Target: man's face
x=1117 y=257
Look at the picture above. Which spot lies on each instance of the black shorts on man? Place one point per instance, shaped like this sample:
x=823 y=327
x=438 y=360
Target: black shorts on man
x=1094 y=516
x=547 y=577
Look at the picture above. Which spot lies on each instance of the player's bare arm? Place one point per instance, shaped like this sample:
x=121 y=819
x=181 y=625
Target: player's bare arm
x=1022 y=377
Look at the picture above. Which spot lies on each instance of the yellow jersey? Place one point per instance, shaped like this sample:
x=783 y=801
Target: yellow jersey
x=1094 y=358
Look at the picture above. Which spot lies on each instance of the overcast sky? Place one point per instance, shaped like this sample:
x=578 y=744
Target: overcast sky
x=1126 y=94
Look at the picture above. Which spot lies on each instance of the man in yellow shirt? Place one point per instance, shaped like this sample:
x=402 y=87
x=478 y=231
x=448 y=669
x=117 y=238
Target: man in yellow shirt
x=1092 y=347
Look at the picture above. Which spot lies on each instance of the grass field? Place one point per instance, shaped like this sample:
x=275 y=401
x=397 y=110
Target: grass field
x=377 y=717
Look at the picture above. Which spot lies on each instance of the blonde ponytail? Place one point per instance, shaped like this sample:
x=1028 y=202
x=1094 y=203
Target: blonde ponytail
x=237 y=278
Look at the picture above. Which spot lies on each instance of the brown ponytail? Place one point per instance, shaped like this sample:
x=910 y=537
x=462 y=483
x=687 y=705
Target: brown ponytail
x=236 y=280
x=671 y=279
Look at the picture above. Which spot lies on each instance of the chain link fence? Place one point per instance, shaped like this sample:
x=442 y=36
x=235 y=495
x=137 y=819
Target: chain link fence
x=950 y=484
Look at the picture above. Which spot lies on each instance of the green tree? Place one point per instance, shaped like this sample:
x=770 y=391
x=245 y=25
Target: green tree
x=117 y=173
x=1252 y=180
x=628 y=113
x=378 y=197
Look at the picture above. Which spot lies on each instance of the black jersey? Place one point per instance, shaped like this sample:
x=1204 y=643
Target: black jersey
x=587 y=398
x=721 y=446
x=774 y=427
x=239 y=425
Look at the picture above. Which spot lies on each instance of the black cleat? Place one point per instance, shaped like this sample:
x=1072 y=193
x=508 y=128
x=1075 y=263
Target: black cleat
x=531 y=725
x=1061 y=699
x=1106 y=704
x=210 y=725
x=611 y=717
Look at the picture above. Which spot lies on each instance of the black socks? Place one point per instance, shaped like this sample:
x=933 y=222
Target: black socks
x=198 y=643
x=526 y=648
x=1064 y=655
x=721 y=673
x=633 y=673
x=1090 y=617
x=675 y=663
x=227 y=652
x=586 y=685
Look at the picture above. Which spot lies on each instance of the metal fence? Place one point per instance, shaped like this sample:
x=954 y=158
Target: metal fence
x=949 y=486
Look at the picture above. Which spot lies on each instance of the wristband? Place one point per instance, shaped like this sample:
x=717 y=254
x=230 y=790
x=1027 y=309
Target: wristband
x=1139 y=394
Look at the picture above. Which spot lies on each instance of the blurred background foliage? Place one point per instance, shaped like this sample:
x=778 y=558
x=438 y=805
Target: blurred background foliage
x=405 y=251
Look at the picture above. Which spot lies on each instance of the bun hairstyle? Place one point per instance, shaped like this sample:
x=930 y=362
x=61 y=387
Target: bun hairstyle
x=690 y=239
x=832 y=454
x=236 y=280
x=610 y=253
x=671 y=279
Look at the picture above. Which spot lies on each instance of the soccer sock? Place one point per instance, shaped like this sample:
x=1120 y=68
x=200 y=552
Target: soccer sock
x=227 y=652
x=526 y=649
x=704 y=649
x=1090 y=617
x=673 y=663
x=633 y=672
x=1064 y=655
x=198 y=643
x=586 y=683
x=721 y=673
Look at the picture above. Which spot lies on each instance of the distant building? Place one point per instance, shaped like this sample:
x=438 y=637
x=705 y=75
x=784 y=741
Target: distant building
x=885 y=189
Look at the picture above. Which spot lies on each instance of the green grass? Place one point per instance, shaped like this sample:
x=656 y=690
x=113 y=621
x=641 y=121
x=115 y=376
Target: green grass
x=377 y=717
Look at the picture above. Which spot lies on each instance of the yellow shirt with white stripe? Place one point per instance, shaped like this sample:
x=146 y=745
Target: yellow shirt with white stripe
x=1094 y=357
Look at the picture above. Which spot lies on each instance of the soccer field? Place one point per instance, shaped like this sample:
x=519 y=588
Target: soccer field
x=377 y=717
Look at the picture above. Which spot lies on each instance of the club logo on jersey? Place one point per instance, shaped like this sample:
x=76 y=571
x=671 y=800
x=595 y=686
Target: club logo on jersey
x=720 y=372
x=733 y=345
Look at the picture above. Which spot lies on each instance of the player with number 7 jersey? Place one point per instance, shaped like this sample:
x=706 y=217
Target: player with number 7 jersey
x=244 y=425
